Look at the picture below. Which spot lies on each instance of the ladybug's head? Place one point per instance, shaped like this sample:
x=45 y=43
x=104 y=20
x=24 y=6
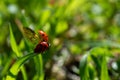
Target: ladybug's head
x=43 y=35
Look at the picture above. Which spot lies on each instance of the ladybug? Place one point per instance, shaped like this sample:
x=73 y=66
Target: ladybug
x=43 y=35
x=42 y=44
x=41 y=47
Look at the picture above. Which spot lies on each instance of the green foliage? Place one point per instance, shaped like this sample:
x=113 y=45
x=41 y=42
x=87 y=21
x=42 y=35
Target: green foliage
x=19 y=64
x=98 y=56
x=61 y=27
x=84 y=40
x=84 y=67
x=13 y=43
x=15 y=49
x=16 y=67
x=104 y=69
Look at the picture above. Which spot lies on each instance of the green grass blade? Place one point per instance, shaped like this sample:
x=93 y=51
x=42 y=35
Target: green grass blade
x=83 y=68
x=6 y=67
x=41 y=77
x=23 y=70
x=16 y=67
x=39 y=68
x=16 y=51
x=104 y=69
x=13 y=42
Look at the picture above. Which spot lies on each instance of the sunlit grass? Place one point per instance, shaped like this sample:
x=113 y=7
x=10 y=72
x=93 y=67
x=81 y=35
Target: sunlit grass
x=84 y=40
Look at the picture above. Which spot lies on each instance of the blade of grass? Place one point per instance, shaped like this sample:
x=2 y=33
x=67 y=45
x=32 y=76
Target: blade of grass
x=16 y=67
x=16 y=51
x=13 y=42
x=98 y=55
x=83 y=68
x=104 y=70
x=6 y=67
x=39 y=68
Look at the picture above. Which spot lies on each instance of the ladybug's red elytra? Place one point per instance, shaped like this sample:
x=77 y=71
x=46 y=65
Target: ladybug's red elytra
x=41 y=47
x=43 y=35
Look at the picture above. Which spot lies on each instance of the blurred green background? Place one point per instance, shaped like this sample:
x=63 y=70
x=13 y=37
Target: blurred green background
x=75 y=28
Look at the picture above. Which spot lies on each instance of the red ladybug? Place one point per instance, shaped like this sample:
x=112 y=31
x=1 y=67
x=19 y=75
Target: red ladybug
x=43 y=44
x=43 y=35
x=41 y=47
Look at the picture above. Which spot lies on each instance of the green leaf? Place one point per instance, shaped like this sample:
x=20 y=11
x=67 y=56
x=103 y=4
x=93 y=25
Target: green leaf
x=72 y=6
x=92 y=71
x=17 y=65
x=61 y=27
x=98 y=51
x=104 y=69
x=6 y=67
x=13 y=42
x=39 y=68
x=98 y=54
x=15 y=49
x=45 y=16
x=83 y=68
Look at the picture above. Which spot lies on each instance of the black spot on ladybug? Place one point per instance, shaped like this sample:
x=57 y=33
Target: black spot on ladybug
x=43 y=35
